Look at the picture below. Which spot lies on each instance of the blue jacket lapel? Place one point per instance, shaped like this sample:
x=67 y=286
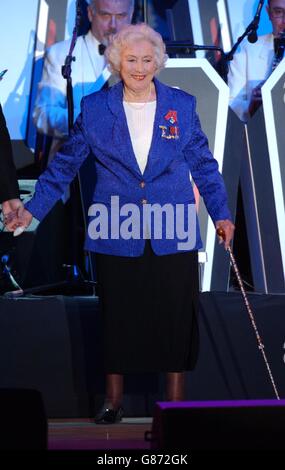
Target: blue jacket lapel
x=121 y=131
x=154 y=152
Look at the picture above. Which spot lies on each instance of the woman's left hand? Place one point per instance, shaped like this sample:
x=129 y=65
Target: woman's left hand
x=228 y=228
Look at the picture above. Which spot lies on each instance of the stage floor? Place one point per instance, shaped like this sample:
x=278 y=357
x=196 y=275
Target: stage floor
x=84 y=434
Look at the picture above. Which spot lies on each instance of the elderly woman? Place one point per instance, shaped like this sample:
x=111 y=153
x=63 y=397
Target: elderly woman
x=145 y=137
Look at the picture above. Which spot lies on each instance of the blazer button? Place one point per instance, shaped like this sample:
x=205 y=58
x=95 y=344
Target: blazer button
x=142 y=184
x=144 y=201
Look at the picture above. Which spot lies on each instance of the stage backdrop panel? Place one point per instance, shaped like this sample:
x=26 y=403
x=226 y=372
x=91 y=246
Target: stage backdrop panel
x=263 y=186
x=198 y=77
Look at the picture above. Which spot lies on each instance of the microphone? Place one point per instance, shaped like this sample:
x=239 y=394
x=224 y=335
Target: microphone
x=3 y=73
x=252 y=36
x=7 y=272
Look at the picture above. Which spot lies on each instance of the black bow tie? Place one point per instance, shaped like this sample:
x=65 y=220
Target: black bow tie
x=279 y=42
x=101 y=49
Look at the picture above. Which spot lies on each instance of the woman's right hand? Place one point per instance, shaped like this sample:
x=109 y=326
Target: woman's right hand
x=20 y=218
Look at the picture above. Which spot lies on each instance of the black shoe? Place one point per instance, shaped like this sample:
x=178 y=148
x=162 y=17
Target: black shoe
x=109 y=416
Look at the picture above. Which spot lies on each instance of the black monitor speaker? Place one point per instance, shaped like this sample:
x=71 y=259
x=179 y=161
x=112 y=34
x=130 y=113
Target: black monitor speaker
x=218 y=426
x=23 y=420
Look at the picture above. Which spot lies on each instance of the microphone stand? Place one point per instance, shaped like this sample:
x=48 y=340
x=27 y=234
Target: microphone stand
x=250 y=32
x=187 y=47
x=75 y=189
x=66 y=69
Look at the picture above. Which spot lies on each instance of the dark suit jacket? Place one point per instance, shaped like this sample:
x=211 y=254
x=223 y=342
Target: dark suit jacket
x=9 y=188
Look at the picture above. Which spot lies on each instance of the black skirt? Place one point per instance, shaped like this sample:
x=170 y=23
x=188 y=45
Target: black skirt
x=149 y=306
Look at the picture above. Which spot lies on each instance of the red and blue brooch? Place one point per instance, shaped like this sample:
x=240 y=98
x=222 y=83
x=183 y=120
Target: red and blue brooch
x=170 y=131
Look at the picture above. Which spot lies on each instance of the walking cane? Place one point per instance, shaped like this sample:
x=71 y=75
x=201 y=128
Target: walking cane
x=221 y=233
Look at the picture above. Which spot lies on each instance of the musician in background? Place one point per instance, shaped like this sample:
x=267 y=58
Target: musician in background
x=251 y=67
x=50 y=114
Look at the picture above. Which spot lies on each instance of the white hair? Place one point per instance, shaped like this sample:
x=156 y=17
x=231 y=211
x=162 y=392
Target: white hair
x=130 y=34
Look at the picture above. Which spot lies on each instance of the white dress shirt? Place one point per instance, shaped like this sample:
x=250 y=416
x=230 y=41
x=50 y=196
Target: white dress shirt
x=248 y=68
x=50 y=112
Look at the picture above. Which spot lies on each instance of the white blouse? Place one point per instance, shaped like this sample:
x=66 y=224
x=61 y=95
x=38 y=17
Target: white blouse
x=140 y=119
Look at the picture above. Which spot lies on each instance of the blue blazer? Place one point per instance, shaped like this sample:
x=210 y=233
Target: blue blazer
x=178 y=145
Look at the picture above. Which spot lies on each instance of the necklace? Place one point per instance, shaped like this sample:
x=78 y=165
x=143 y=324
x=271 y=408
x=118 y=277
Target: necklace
x=135 y=105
